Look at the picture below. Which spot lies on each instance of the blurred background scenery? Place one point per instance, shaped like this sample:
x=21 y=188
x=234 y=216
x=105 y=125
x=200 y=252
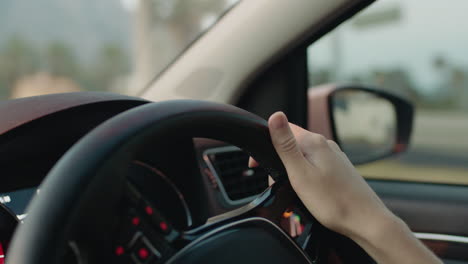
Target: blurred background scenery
x=415 y=48
x=419 y=50
x=52 y=46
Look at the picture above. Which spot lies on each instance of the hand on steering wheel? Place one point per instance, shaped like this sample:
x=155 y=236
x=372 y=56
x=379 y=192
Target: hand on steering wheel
x=339 y=198
x=325 y=180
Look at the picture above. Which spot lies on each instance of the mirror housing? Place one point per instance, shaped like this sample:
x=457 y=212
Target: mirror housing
x=368 y=124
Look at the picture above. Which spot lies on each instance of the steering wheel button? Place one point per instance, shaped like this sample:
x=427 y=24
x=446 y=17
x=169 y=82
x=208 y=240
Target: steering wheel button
x=143 y=253
x=135 y=221
x=164 y=227
x=149 y=210
x=119 y=251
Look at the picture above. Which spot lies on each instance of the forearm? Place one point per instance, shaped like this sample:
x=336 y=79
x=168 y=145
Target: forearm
x=390 y=240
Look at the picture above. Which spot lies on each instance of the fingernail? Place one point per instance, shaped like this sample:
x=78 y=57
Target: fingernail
x=278 y=120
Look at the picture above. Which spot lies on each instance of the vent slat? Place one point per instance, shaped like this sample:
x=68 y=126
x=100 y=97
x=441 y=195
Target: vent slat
x=239 y=181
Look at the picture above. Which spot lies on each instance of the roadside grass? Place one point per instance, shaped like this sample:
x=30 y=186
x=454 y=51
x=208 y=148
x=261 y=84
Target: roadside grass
x=391 y=170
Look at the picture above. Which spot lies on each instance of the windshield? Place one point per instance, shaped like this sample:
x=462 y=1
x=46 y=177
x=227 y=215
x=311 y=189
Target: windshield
x=54 y=46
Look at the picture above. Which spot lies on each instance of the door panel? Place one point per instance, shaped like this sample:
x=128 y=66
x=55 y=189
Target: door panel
x=437 y=213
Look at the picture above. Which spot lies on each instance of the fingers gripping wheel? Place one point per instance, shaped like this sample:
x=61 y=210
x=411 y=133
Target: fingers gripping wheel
x=91 y=168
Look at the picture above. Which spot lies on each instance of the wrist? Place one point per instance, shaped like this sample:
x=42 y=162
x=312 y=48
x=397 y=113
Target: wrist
x=383 y=236
x=377 y=228
x=387 y=239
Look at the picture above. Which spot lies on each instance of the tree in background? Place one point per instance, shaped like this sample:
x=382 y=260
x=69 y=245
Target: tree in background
x=18 y=58
x=56 y=70
x=61 y=61
x=110 y=64
x=396 y=80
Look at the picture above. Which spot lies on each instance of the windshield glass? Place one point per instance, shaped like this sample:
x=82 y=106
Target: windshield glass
x=54 y=46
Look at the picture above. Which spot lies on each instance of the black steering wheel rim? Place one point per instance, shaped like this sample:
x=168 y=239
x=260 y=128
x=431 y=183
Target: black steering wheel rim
x=64 y=191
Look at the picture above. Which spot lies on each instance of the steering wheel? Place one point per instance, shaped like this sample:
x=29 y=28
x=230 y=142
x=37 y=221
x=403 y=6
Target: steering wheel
x=82 y=192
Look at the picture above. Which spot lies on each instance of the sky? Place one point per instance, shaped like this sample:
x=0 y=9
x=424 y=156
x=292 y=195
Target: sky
x=427 y=28
x=129 y=4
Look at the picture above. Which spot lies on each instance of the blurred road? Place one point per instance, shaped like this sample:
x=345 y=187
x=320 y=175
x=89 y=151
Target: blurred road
x=438 y=152
x=444 y=131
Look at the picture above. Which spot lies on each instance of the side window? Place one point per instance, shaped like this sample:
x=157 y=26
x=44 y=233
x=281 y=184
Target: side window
x=419 y=50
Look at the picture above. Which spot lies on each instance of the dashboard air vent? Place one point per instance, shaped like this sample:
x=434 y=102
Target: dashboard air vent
x=236 y=180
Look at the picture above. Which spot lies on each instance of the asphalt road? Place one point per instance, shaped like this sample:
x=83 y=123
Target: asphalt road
x=438 y=152
x=439 y=139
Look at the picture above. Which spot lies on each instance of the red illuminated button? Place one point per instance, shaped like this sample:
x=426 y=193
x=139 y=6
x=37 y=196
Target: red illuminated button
x=164 y=227
x=135 y=221
x=149 y=210
x=2 y=254
x=119 y=251
x=143 y=253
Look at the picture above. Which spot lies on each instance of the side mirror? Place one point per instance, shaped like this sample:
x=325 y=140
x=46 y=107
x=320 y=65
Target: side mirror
x=367 y=124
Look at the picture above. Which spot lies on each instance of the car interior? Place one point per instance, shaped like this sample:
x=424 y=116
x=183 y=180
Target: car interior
x=158 y=173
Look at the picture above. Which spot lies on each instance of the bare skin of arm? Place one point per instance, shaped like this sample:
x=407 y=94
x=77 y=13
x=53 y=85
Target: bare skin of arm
x=339 y=198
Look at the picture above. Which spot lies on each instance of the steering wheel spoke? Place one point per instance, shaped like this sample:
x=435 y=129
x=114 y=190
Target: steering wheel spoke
x=277 y=207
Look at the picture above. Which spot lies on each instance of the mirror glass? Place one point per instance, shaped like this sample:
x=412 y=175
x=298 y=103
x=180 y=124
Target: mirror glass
x=365 y=124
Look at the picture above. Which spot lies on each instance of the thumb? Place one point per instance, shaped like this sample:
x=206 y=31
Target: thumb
x=284 y=141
